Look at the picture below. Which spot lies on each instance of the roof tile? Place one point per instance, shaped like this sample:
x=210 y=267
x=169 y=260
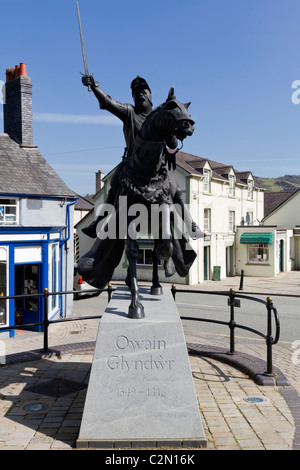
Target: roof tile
x=26 y=171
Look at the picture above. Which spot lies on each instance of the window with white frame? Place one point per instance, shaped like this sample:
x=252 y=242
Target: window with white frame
x=145 y=257
x=8 y=211
x=250 y=189
x=258 y=254
x=207 y=220
x=206 y=181
x=231 y=185
x=249 y=217
x=231 y=221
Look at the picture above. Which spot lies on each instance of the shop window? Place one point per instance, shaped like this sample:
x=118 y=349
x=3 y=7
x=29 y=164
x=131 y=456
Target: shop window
x=258 y=254
x=8 y=212
x=3 y=302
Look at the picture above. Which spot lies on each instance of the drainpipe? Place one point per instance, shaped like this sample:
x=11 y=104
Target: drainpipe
x=68 y=221
x=63 y=242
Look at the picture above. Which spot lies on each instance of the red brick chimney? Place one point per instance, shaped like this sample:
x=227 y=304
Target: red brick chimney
x=18 y=105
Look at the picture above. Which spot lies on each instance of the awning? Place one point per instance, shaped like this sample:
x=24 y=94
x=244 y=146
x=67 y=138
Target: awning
x=256 y=239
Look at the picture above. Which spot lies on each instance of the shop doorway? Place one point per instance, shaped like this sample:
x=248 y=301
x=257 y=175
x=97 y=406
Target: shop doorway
x=28 y=281
x=206 y=263
x=229 y=261
x=281 y=256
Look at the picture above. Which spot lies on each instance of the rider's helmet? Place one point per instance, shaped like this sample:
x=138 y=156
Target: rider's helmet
x=139 y=82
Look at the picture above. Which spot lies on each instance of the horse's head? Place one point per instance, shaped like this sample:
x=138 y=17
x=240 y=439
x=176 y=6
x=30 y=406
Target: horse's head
x=182 y=122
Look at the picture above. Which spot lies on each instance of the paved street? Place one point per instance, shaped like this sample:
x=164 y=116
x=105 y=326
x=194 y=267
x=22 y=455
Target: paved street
x=230 y=422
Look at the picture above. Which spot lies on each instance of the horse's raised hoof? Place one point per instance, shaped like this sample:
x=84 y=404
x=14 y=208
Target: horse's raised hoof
x=156 y=290
x=136 y=312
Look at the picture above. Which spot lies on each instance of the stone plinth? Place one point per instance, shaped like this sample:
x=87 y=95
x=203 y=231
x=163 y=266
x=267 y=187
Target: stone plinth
x=141 y=391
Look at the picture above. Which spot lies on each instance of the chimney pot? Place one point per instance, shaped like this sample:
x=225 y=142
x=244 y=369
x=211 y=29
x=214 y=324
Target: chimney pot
x=23 y=69
x=17 y=71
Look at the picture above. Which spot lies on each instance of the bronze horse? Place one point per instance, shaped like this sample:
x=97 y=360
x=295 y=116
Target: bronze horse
x=146 y=178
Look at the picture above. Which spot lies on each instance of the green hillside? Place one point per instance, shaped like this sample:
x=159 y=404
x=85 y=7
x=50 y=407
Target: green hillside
x=282 y=183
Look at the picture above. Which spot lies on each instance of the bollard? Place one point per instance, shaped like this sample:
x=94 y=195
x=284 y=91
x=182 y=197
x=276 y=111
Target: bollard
x=232 y=322
x=109 y=291
x=242 y=280
x=269 y=338
x=173 y=290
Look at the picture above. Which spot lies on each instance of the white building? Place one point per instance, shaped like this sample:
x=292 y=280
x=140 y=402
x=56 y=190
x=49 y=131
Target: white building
x=219 y=198
x=274 y=247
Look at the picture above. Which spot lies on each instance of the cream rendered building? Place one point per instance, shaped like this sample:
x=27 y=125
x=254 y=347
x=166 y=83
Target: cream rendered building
x=274 y=247
x=219 y=199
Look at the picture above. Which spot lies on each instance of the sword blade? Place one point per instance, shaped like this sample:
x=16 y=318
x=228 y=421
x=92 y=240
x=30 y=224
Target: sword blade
x=82 y=44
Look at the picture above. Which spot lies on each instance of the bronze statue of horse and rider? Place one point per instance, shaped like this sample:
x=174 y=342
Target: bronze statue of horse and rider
x=145 y=178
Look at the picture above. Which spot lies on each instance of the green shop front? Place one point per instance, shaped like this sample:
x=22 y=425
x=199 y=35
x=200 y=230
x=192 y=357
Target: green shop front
x=263 y=251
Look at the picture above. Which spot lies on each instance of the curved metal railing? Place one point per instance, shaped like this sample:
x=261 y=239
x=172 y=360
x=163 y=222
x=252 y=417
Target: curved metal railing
x=233 y=301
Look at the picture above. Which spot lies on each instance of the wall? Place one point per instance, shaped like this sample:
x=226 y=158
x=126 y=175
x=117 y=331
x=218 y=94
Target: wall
x=85 y=242
x=288 y=215
x=43 y=212
x=220 y=203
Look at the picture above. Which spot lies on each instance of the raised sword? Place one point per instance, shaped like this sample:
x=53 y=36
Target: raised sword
x=82 y=45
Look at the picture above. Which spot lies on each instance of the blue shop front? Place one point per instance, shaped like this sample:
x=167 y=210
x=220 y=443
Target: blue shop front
x=30 y=260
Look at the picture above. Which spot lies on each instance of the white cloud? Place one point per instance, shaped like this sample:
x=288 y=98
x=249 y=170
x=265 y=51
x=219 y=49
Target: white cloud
x=57 y=118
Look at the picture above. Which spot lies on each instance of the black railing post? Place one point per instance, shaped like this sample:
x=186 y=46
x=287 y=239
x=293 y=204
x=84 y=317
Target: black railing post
x=232 y=322
x=269 y=337
x=173 y=290
x=45 y=320
x=242 y=280
x=109 y=291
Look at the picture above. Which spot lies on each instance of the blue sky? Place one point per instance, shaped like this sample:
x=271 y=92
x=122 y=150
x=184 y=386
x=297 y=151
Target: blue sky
x=235 y=60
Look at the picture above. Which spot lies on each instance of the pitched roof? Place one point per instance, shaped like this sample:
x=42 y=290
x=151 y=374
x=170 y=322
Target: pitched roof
x=83 y=204
x=194 y=166
x=25 y=171
x=275 y=199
